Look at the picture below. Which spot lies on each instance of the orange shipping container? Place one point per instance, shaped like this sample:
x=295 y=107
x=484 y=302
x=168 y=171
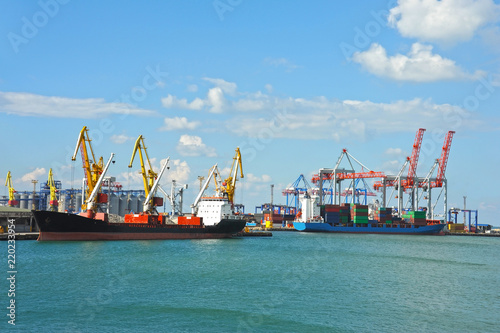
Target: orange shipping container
x=189 y=220
x=136 y=218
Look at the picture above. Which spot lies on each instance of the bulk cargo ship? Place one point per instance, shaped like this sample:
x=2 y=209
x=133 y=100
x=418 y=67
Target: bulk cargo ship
x=56 y=226
x=213 y=220
x=354 y=219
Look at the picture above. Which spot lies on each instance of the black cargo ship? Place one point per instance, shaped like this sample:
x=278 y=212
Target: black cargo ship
x=55 y=226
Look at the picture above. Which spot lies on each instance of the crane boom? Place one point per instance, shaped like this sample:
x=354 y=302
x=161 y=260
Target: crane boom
x=148 y=203
x=8 y=182
x=412 y=169
x=443 y=160
x=91 y=200
x=149 y=176
x=230 y=182
x=92 y=168
x=53 y=198
x=202 y=190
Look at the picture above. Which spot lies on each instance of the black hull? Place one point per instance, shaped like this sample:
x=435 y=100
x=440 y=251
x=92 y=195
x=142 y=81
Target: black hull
x=64 y=226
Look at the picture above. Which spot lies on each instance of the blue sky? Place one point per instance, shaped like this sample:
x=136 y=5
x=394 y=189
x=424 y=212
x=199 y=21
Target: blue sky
x=291 y=83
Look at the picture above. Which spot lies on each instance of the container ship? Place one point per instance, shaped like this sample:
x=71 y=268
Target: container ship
x=211 y=218
x=353 y=218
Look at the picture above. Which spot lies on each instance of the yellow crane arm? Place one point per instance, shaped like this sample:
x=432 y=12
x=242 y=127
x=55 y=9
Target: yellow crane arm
x=148 y=176
x=92 y=168
x=52 y=186
x=8 y=183
x=233 y=176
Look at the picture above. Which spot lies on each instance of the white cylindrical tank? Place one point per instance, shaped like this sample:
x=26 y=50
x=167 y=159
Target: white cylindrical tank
x=34 y=200
x=123 y=209
x=23 y=202
x=16 y=198
x=140 y=202
x=114 y=203
x=78 y=202
x=132 y=203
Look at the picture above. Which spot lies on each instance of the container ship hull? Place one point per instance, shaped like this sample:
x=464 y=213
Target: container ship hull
x=435 y=229
x=55 y=226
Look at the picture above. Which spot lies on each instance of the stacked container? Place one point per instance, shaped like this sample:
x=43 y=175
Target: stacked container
x=359 y=213
x=415 y=217
x=383 y=215
x=332 y=214
x=335 y=214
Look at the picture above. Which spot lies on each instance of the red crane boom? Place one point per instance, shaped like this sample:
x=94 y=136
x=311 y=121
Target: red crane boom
x=443 y=160
x=412 y=169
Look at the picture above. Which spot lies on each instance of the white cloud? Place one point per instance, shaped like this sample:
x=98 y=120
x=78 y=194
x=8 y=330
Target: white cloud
x=395 y=151
x=182 y=103
x=120 y=138
x=215 y=101
x=33 y=175
x=26 y=104
x=179 y=123
x=321 y=118
x=264 y=116
x=251 y=178
x=226 y=86
x=446 y=21
x=192 y=88
x=281 y=62
x=419 y=65
x=193 y=146
x=179 y=171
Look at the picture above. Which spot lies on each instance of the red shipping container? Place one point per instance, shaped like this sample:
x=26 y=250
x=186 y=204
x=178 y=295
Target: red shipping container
x=102 y=197
x=136 y=218
x=189 y=220
x=157 y=201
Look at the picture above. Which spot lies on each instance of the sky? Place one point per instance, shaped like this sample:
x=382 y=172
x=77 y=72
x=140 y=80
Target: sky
x=291 y=83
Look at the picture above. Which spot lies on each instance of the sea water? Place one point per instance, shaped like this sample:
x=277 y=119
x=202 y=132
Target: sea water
x=290 y=282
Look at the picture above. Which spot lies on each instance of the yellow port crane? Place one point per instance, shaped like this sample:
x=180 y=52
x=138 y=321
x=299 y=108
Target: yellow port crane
x=53 y=198
x=8 y=182
x=229 y=184
x=150 y=177
x=94 y=172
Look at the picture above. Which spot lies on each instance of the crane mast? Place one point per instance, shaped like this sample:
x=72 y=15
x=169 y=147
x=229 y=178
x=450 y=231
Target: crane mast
x=149 y=177
x=92 y=169
x=229 y=185
x=8 y=182
x=53 y=198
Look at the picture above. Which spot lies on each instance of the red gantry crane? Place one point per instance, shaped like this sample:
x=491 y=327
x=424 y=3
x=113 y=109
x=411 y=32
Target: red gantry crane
x=336 y=175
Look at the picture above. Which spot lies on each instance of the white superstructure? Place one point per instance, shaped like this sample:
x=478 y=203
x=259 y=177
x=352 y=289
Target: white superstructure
x=310 y=208
x=214 y=209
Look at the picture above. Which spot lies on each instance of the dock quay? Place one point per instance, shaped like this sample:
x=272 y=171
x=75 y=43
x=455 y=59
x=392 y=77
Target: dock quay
x=20 y=236
x=472 y=234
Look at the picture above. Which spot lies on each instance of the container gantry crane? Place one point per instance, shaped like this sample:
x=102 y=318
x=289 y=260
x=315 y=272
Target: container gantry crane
x=338 y=175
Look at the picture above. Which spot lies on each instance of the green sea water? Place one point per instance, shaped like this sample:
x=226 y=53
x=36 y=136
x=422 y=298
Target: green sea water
x=291 y=282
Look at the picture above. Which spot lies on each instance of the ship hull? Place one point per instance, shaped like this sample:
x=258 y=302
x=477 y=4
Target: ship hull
x=436 y=229
x=56 y=226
